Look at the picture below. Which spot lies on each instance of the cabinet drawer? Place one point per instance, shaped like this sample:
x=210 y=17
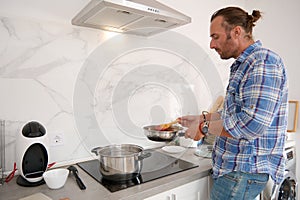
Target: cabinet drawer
x=196 y=190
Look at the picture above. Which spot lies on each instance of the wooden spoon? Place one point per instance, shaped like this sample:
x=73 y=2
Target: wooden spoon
x=163 y=127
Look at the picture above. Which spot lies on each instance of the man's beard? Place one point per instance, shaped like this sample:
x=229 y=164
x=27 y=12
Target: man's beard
x=226 y=57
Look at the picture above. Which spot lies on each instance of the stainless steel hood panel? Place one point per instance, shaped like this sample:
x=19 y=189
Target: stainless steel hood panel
x=140 y=17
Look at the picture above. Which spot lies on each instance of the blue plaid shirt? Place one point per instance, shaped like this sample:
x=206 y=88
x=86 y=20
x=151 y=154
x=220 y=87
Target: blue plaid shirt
x=255 y=114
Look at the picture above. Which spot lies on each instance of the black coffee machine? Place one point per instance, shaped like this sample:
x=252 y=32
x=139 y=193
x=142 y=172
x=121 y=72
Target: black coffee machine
x=32 y=154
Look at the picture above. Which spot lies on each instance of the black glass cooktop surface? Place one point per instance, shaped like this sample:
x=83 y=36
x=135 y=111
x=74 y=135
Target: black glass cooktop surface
x=156 y=166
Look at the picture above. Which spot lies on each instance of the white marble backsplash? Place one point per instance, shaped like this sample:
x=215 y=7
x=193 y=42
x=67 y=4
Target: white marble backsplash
x=97 y=88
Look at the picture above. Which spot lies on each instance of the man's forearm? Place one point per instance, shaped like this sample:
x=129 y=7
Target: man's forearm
x=216 y=125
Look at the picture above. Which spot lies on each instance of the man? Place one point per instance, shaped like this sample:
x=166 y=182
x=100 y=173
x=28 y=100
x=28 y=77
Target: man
x=251 y=128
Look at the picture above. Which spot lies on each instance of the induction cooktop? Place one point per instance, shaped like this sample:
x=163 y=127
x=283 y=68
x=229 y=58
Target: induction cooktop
x=156 y=166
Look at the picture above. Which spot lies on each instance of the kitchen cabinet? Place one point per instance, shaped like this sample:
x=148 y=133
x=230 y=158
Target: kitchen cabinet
x=196 y=190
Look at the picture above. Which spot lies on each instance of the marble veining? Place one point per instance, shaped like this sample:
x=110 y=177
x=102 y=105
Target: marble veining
x=94 y=87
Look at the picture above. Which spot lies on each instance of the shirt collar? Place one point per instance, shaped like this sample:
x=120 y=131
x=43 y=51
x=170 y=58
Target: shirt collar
x=245 y=54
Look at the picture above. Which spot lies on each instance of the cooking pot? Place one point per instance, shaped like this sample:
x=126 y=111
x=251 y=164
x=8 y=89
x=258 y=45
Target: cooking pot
x=163 y=136
x=120 y=162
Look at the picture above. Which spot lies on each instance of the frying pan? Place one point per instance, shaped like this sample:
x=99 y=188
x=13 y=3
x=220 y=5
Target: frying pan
x=163 y=136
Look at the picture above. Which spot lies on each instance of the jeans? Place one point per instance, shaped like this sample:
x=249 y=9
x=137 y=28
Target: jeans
x=238 y=186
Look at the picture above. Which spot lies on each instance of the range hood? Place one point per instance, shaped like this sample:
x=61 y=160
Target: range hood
x=139 y=17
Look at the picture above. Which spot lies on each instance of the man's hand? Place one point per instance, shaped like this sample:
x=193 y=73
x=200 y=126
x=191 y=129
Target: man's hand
x=192 y=122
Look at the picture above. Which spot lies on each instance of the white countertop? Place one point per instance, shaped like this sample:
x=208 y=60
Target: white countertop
x=94 y=190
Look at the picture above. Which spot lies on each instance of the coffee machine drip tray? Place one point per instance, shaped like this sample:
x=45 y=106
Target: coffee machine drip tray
x=156 y=166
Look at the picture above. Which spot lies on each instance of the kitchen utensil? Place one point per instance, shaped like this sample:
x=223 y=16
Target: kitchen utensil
x=56 y=178
x=79 y=182
x=11 y=175
x=163 y=136
x=163 y=127
x=120 y=162
x=218 y=105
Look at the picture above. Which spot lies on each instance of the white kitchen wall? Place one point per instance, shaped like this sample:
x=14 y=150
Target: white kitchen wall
x=42 y=56
x=45 y=62
x=39 y=65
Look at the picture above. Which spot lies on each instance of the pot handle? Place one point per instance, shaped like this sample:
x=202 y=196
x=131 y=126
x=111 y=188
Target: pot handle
x=144 y=155
x=95 y=150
